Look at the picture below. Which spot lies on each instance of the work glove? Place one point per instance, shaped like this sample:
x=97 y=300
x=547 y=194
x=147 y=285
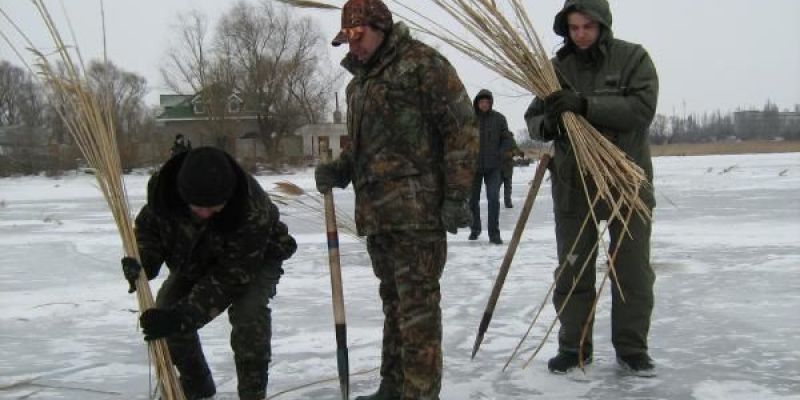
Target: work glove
x=158 y=323
x=565 y=100
x=131 y=270
x=328 y=176
x=455 y=214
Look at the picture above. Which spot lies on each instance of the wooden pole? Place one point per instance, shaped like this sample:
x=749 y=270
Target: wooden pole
x=337 y=291
x=512 y=249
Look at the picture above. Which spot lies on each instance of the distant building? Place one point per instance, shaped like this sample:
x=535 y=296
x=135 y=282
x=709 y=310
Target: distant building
x=188 y=115
x=771 y=122
x=317 y=136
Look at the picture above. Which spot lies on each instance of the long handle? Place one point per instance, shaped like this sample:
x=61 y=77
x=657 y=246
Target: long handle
x=512 y=249
x=337 y=292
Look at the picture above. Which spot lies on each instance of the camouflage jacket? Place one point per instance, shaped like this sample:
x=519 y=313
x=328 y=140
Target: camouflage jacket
x=413 y=136
x=221 y=256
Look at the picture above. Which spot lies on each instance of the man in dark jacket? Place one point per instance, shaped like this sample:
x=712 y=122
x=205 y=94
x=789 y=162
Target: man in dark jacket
x=411 y=161
x=223 y=242
x=495 y=140
x=614 y=85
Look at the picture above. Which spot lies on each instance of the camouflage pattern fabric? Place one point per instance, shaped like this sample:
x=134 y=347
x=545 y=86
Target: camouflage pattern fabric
x=231 y=261
x=413 y=135
x=409 y=267
x=251 y=323
x=413 y=144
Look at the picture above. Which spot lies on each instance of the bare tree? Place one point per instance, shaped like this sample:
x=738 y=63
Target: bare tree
x=309 y=84
x=658 y=130
x=194 y=66
x=124 y=93
x=23 y=117
x=21 y=98
x=262 y=53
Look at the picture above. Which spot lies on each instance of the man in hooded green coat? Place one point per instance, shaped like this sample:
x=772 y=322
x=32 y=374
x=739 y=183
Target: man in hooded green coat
x=614 y=85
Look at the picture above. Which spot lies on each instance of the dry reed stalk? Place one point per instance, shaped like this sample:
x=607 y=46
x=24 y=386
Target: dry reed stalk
x=610 y=270
x=310 y=4
x=89 y=121
x=544 y=301
x=311 y=206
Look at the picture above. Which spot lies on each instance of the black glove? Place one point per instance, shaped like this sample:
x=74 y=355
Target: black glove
x=158 y=323
x=565 y=100
x=328 y=176
x=455 y=214
x=131 y=270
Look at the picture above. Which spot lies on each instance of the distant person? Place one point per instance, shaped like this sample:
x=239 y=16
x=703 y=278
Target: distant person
x=495 y=140
x=508 y=171
x=410 y=161
x=181 y=145
x=223 y=243
x=614 y=85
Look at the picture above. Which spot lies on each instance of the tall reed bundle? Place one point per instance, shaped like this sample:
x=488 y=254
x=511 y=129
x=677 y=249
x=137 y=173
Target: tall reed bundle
x=89 y=121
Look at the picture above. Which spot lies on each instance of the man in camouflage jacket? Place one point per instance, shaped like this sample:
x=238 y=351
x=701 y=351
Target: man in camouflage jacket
x=613 y=84
x=221 y=238
x=411 y=162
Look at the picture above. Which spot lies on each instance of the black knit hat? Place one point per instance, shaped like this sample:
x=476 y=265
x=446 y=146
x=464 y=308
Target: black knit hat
x=206 y=178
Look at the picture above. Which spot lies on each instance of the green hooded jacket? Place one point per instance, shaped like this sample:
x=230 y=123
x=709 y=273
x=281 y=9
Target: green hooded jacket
x=620 y=83
x=413 y=136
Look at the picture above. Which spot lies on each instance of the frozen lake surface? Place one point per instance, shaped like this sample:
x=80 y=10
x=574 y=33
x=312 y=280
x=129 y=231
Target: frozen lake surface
x=725 y=249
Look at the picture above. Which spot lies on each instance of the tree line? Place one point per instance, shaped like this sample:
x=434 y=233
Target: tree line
x=768 y=123
x=269 y=56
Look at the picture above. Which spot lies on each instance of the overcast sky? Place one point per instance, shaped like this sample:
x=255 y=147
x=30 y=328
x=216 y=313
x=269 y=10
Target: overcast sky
x=710 y=54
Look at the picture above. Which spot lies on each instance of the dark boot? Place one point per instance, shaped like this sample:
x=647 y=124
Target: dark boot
x=199 y=389
x=565 y=361
x=387 y=391
x=637 y=364
x=495 y=239
x=474 y=235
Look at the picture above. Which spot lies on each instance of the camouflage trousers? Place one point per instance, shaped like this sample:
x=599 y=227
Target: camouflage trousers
x=409 y=266
x=630 y=319
x=251 y=323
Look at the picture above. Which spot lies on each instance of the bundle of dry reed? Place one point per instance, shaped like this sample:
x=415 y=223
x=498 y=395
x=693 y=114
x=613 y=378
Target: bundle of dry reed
x=89 y=121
